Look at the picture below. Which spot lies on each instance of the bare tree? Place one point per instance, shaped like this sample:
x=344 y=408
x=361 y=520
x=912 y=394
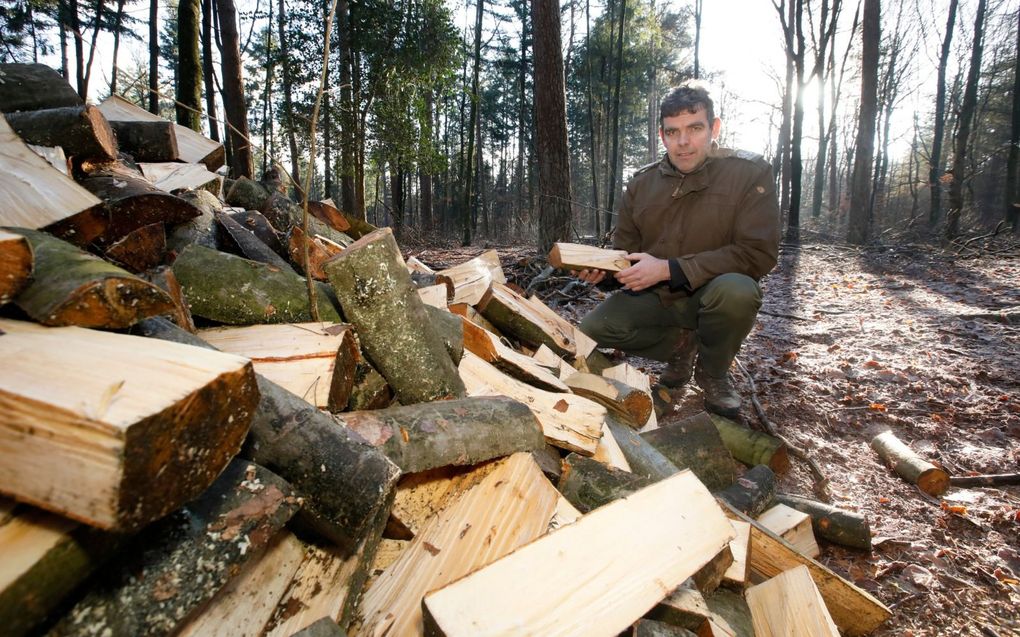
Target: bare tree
x=860 y=190
x=935 y=162
x=1013 y=163
x=472 y=125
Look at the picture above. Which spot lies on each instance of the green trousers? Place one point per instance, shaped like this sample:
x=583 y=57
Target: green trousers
x=721 y=313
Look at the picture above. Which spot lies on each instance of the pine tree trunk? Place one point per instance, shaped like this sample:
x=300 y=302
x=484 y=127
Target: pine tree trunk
x=207 y=70
x=233 y=91
x=189 y=66
x=154 y=57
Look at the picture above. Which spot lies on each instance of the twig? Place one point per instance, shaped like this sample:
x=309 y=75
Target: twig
x=789 y=316
x=991 y=480
x=821 y=482
x=542 y=277
x=966 y=244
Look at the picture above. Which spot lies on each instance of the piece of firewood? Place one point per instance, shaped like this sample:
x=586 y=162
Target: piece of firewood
x=730 y=614
x=247 y=602
x=258 y=225
x=462 y=538
x=414 y=265
x=34 y=194
x=313 y=360
x=81 y=131
x=344 y=481
x=630 y=375
x=695 y=443
x=642 y=457
x=473 y=315
x=515 y=316
x=324 y=627
x=249 y=245
x=576 y=256
x=194 y=147
x=332 y=217
x=29 y=87
x=489 y=348
x=551 y=360
x=148 y=141
x=588 y=484
x=284 y=214
x=171 y=176
x=585 y=344
x=450 y=329
x=181 y=562
x=752 y=447
x=358 y=227
x=45 y=557
x=793 y=526
x=631 y=575
x=630 y=404
x=203 y=229
x=164 y=278
x=375 y=290
x=855 y=611
x=370 y=389
x=568 y=421
x=684 y=607
x=462 y=432
x=16 y=264
x=736 y=575
x=421 y=496
x=123 y=429
x=237 y=291
x=319 y=252
x=752 y=492
x=608 y=452
x=54 y=155
x=434 y=295
x=141 y=249
x=789 y=605
x=709 y=576
x=72 y=287
x=831 y=523
x=246 y=193
x=910 y=466
x=471 y=279
x=652 y=628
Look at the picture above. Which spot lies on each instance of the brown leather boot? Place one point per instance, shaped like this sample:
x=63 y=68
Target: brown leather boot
x=720 y=397
x=681 y=366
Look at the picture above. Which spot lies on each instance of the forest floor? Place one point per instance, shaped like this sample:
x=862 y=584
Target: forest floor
x=852 y=342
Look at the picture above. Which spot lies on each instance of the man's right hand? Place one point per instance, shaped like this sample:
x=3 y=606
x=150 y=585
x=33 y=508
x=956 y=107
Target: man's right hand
x=593 y=277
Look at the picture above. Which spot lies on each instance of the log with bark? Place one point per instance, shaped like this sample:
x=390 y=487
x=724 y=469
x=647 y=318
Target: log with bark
x=752 y=492
x=246 y=193
x=345 y=482
x=29 y=87
x=643 y=458
x=16 y=264
x=229 y=289
x=81 y=131
x=180 y=563
x=684 y=607
x=630 y=404
x=370 y=389
x=203 y=229
x=910 y=466
x=258 y=225
x=164 y=278
x=588 y=484
x=249 y=245
x=576 y=256
x=752 y=447
x=141 y=249
x=34 y=194
x=630 y=575
x=377 y=295
x=284 y=214
x=694 y=443
x=459 y=432
x=116 y=430
x=789 y=604
x=630 y=375
x=194 y=147
x=335 y=219
x=831 y=523
x=148 y=141
x=515 y=316
x=313 y=360
x=72 y=287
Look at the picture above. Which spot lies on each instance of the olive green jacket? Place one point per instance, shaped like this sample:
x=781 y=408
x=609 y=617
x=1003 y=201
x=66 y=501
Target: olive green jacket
x=721 y=218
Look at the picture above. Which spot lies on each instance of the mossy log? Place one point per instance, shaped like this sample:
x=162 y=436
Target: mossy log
x=910 y=466
x=449 y=432
x=377 y=295
x=148 y=141
x=344 y=481
x=229 y=289
x=370 y=390
x=140 y=249
x=753 y=492
x=752 y=447
x=643 y=458
x=16 y=263
x=589 y=484
x=72 y=287
x=181 y=562
x=694 y=443
x=730 y=607
x=81 y=131
x=203 y=229
x=451 y=330
x=284 y=214
x=30 y=87
x=249 y=245
x=836 y=525
x=629 y=404
x=258 y=225
x=163 y=277
x=246 y=193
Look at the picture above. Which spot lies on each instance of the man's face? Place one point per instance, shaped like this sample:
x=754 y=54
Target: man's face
x=688 y=138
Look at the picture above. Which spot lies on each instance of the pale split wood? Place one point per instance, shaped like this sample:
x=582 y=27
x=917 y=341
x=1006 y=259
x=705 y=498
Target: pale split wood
x=473 y=315
x=245 y=604
x=568 y=421
x=25 y=538
x=509 y=508
x=54 y=155
x=415 y=265
x=577 y=256
x=630 y=404
x=550 y=359
x=170 y=176
x=34 y=194
x=472 y=278
x=585 y=344
x=789 y=605
x=491 y=349
x=630 y=375
x=632 y=572
x=194 y=147
x=565 y=513
x=793 y=526
x=421 y=496
x=608 y=452
x=736 y=574
x=300 y=357
x=434 y=295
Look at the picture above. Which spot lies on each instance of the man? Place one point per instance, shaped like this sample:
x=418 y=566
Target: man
x=701 y=227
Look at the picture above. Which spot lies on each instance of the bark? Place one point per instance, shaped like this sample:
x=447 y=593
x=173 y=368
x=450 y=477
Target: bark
x=81 y=131
x=752 y=493
x=614 y=159
x=694 y=443
x=830 y=523
x=235 y=291
x=249 y=245
x=257 y=224
x=935 y=165
x=285 y=215
x=117 y=28
x=472 y=126
x=589 y=484
x=72 y=287
x=246 y=193
x=450 y=432
x=643 y=458
x=140 y=249
x=16 y=262
x=373 y=284
x=752 y=447
x=189 y=65
x=30 y=87
x=180 y=563
x=348 y=159
x=909 y=466
x=147 y=141
x=241 y=161
x=154 y=57
x=207 y=70
x=860 y=190
x=370 y=390
x=510 y=312
x=450 y=328
x=1013 y=162
x=201 y=230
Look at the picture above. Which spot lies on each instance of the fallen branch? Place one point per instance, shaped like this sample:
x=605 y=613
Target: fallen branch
x=989 y=480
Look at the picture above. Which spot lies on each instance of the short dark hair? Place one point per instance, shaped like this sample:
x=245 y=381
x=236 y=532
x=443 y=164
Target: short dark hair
x=687 y=98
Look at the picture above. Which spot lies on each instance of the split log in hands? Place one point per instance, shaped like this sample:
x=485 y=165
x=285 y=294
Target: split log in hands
x=576 y=256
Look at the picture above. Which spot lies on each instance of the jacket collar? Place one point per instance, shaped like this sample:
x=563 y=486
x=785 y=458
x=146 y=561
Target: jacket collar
x=689 y=182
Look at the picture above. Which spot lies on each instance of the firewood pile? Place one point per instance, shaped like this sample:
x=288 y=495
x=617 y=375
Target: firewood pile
x=190 y=446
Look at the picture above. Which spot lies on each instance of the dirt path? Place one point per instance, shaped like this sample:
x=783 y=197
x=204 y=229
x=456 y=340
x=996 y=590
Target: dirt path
x=850 y=343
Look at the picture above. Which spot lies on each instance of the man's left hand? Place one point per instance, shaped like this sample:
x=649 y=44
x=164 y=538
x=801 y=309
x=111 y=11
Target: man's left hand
x=646 y=272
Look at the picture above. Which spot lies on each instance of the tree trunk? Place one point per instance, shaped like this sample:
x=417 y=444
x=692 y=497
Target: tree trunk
x=234 y=104
x=551 y=127
x=189 y=66
x=860 y=195
x=935 y=167
x=154 y=57
x=614 y=159
x=118 y=23
x=472 y=126
x=698 y=11
x=207 y=70
x=1013 y=163
x=288 y=104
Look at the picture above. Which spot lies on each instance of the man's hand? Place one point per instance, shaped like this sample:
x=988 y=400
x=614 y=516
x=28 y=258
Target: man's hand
x=646 y=272
x=593 y=277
